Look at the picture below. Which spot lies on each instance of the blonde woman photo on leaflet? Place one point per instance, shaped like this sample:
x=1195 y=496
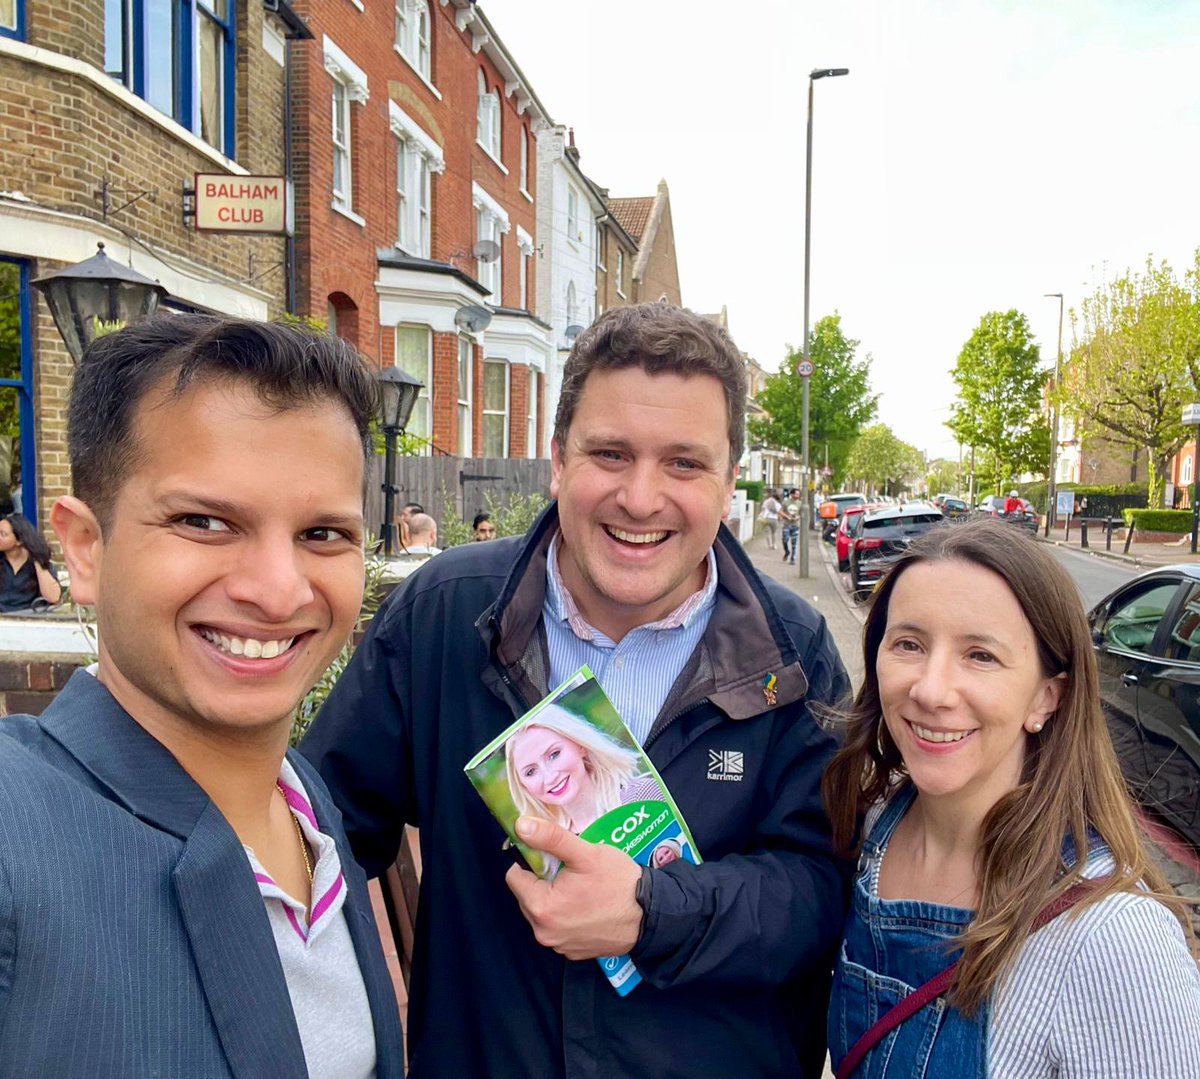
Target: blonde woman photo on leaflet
x=997 y=831
x=562 y=769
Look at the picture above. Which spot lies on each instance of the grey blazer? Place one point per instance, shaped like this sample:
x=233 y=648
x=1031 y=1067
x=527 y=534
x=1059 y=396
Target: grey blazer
x=133 y=939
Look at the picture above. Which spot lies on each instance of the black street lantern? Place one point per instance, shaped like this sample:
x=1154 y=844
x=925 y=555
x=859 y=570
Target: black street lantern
x=97 y=290
x=398 y=391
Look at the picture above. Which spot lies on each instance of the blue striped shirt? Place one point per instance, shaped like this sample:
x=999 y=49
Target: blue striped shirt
x=638 y=673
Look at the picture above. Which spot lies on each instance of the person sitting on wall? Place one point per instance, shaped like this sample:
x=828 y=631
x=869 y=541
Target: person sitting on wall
x=482 y=527
x=403 y=520
x=422 y=534
x=26 y=575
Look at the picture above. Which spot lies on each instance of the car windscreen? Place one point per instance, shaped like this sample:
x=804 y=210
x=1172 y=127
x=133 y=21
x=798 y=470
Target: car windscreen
x=886 y=527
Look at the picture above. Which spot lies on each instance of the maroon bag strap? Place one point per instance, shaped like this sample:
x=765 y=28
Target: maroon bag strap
x=939 y=983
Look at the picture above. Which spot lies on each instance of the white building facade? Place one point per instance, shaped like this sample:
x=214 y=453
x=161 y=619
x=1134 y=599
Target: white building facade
x=568 y=207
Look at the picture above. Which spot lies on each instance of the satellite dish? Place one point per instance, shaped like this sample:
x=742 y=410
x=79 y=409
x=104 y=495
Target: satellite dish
x=473 y=318
x=572 y=331
x=486 y=250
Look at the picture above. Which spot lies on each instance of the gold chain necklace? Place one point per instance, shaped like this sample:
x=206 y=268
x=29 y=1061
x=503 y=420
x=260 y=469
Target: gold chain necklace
x=308 y=867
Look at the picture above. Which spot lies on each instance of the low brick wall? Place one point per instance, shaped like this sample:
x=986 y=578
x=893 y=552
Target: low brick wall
x=29 y=682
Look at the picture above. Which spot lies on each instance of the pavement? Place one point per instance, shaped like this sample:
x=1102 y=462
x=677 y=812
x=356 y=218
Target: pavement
x=823 y=589
x=1141 y=555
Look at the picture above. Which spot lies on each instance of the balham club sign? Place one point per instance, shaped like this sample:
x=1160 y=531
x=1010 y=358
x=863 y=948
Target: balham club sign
x=227 y=203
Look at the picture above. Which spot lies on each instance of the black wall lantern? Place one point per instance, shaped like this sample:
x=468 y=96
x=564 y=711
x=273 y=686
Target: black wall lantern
x=96 y=290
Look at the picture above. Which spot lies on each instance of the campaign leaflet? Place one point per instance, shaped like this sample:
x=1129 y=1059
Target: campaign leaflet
x=572 y=760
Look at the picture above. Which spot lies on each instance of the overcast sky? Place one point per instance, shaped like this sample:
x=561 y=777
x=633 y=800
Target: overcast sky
x=979 y=154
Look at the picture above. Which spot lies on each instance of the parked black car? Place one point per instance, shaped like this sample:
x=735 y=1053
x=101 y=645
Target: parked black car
x=881 y=536
x=1147 y=640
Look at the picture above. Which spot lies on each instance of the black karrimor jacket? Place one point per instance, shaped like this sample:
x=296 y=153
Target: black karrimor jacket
x=735 y=953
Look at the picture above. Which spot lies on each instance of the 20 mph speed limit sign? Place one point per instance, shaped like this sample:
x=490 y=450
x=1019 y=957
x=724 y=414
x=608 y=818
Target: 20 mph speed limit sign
x=805 y=369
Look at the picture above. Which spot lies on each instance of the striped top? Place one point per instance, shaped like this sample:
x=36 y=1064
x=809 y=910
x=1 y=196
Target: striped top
x=1107 y=992
x=1111 y=994
x=317 y=954
x=637 y=673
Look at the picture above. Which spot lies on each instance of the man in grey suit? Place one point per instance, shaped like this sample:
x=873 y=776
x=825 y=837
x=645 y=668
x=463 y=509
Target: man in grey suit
x=177 y=897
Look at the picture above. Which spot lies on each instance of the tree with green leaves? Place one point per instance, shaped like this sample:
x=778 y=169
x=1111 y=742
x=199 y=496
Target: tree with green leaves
x=942 y=475
x=883 y=463
x=1137 y=363
x=840 y=400
x=1001 y=391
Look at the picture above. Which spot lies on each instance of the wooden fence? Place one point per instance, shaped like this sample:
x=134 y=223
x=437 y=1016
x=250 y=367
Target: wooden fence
x=436 y=482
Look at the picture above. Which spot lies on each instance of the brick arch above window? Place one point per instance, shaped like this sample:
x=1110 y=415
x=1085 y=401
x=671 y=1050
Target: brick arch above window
x=342 y=317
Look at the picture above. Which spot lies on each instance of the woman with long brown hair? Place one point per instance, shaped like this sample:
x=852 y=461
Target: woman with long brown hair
x=978 y=770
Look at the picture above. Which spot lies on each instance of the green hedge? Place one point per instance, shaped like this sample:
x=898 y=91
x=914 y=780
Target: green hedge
x=753 y=489
x=1037 y=490
x=1177 y=522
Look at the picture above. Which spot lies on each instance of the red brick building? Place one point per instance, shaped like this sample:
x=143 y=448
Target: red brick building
x=415 y=187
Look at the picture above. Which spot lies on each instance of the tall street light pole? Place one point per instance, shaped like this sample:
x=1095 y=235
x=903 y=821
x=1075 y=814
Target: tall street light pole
x=806 y=367
x=1051 y=485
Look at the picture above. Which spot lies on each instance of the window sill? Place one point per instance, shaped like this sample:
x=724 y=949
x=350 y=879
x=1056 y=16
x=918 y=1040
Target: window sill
x=345 y=211
x=410 y=252
x=358 y=4
x=527 y=195
x=499 y=164
x=416 y=71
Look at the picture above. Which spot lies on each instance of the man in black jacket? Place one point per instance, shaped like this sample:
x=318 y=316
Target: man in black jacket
x=713 y=668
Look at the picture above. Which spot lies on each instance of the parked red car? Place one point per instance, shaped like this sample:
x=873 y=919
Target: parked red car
x=846 y=531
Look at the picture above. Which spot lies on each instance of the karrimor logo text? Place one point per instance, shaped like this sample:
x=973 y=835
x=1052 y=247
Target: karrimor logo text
x=725 y=765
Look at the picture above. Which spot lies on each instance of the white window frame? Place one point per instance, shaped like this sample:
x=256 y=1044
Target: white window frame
x=525 y=252
x=600 y=248
x=413 y=30
x=505 y=412
x=403 y=209
x=491 y=222
x=355 y=89
x=425 y=396
x=414 y=182
x=531 y=446
x=621 y=272
x=423 y=159
x=524 y=161
x=466 y=363
x=424 y=37
x=1185 y=472
x=489 y=274
x=343 y=149
x=573 y=234
x=487 y=120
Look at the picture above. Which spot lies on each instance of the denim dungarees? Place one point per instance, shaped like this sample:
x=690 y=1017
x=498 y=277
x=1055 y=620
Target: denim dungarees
x=892 y=947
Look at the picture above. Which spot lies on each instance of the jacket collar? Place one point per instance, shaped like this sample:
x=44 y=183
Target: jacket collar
x=745 y=644
x=133 y=768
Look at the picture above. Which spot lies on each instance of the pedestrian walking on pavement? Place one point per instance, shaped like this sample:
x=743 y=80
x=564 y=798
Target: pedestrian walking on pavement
x=790 y=515
x=979 y=769
x=770 y=518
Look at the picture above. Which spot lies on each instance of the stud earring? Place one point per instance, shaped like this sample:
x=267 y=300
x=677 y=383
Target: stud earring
x=1036 y=726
